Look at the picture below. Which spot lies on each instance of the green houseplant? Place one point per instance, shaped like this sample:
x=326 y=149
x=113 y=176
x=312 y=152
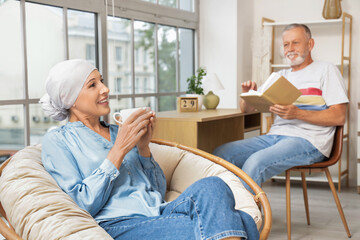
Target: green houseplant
x=195 y=86
x=195 y=82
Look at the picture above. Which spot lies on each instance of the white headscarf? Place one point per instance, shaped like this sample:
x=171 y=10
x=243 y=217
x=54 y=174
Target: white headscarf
x=63 y=86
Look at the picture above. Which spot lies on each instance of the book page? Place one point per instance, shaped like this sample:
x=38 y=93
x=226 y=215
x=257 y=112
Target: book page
x=251 y=93
x=270 y=81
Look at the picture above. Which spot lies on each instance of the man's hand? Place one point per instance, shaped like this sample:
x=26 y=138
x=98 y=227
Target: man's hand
x=285 y=112
x=248 y=85
x=335 y=115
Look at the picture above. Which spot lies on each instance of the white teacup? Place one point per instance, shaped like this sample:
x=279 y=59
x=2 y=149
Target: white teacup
x=120 y=117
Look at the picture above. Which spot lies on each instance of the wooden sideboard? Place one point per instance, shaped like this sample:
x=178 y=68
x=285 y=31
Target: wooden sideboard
x=206 y=129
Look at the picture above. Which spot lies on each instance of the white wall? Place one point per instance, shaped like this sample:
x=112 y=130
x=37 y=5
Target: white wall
x=218 y=45
x=226 y=29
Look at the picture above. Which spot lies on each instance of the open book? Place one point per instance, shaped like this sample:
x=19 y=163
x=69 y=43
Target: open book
x=275 y=90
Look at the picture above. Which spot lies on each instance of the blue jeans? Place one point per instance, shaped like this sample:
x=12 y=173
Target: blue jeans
x=265 y=156
x=205 y=210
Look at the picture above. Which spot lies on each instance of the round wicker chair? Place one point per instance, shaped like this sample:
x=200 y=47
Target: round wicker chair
x=36 y=208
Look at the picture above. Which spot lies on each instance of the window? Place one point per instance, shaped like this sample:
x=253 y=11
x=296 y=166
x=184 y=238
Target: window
x=82 y=35
x=11 y=66
x=146 y=83
x=146 y=63
x=187 y=5
x=90 y=53
x=163 y=55
x=167 y=58
x=145 y=55
x=45 y=51
x=137 y=83
x=118 y=57
x=169 y=3
x=186 y=56
x=137 y=53
x=144 y=41
x=12 y=127
x=118 y=86
x=119 y=61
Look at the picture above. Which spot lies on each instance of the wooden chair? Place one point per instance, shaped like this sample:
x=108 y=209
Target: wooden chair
x=318 y=167
x=36 y=208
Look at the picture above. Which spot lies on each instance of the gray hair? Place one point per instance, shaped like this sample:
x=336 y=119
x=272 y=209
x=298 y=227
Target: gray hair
x=296 y=25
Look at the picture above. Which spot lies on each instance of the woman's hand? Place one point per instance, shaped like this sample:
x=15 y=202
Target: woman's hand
x=143 y=144
x=129 y=134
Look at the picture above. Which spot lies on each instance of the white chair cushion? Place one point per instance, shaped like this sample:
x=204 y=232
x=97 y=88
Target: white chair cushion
x=183 y=168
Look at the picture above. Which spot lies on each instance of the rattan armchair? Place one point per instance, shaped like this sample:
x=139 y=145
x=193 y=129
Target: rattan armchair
x=36 y=208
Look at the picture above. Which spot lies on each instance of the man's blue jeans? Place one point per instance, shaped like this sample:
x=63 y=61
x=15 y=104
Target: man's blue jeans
x=205 y=210
x=265 y=156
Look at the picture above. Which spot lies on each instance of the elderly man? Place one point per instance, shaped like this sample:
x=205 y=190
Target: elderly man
x=302 y=132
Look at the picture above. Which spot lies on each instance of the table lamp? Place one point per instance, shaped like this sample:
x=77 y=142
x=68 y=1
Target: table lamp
x=212 y=83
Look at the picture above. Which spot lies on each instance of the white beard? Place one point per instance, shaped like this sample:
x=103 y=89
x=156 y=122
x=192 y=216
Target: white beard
x=295 y=61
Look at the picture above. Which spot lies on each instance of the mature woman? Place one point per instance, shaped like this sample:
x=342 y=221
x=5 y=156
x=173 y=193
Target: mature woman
x=109 y=170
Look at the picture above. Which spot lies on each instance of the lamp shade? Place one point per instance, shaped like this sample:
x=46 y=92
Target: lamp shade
x=212 y=83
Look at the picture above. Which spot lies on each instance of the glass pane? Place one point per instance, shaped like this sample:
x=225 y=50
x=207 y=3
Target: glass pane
x=119 y=55
x=40 y=124
x=169 y=3
x=167 y=103
x=187 y=5
x=118 y=104
x=144 y=34
x=186 y=55
x=153 y=1
x=11 y=62
x=167 y=58
x=146 y=102
x=81 y=31
x=45 y=44
x=12 y=127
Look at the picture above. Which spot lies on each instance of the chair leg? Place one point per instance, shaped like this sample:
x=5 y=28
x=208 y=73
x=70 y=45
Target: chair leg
x=337 y=201
x=306 y=203
x=288 y=207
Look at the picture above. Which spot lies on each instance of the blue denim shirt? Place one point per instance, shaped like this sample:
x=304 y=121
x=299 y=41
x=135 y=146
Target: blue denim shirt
x=75 y=156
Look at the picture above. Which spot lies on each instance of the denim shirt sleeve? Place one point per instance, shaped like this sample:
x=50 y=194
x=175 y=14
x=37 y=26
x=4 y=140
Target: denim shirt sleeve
x=89 y=192
x=154 y=173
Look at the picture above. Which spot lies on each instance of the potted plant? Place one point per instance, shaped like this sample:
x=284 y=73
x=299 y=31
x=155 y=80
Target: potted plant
x=195 y=85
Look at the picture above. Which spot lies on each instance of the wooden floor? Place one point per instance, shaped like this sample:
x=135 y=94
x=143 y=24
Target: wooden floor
x=324 y=218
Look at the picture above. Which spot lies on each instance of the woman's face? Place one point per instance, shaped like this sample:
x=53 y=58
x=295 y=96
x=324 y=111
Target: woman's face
x=93 y=99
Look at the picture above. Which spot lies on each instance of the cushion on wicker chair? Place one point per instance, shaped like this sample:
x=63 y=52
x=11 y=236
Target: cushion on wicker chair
x=35 y=205
x=183 y=168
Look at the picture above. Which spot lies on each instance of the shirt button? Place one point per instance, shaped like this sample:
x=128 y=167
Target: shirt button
x=115 y=175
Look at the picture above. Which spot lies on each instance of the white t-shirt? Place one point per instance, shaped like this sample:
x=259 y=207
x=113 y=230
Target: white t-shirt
x=321 y=85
